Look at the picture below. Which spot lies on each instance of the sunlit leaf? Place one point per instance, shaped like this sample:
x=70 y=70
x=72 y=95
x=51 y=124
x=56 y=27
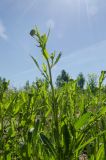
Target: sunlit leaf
x=83 y=120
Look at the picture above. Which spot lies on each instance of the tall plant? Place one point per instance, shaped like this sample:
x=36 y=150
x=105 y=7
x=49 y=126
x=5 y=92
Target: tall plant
x=71 y=134
x=46 y=70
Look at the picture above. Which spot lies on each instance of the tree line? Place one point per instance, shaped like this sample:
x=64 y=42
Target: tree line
x=61 y=80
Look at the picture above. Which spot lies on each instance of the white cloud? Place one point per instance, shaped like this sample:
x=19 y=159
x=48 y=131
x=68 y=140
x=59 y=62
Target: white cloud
x=2 y=31
x=50 y=24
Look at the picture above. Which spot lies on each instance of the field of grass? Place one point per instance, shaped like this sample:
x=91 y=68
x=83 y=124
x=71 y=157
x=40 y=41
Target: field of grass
x=49 y=123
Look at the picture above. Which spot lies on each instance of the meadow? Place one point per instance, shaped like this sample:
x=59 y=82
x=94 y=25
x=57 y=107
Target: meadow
x=44 y=122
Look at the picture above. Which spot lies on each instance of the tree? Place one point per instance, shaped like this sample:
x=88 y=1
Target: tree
x=27 y=86
x=62 y=78
x=80 y=81
x=3 y=86
x=92 y=81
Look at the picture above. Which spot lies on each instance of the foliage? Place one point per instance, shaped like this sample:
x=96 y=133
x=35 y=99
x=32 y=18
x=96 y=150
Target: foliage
x=48 y=123
x=62 y=78
x=80 y=81
x=92 y=81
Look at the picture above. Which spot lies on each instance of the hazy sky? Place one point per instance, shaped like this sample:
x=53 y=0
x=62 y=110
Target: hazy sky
x=78 y=29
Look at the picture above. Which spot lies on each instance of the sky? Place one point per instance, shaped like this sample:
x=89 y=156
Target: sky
x=78 y=30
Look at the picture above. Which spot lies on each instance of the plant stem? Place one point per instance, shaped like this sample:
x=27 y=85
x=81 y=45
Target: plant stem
x=55 y=113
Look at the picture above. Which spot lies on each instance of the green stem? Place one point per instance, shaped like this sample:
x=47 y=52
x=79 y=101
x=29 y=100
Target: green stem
x=55 y=112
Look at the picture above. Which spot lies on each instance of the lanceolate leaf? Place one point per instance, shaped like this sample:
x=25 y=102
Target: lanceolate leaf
x=66 y=138
x=44 y=67
x=73 y=131
x=102 y=111
x=37 y=123
x=89 y=141
x=47 y=144
x=11 y=105
x=83 y=120
x=35 y=61
x=102 y=77
x=98 y=115
x=57 y=59
x=100 y=152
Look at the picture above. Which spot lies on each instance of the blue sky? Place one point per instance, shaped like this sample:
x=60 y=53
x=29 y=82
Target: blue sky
x=78 y=29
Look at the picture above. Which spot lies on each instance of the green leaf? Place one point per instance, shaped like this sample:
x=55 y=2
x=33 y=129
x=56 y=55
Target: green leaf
x=29 y=149
x=30 y=133
x=39 y=68
x=99 y=114
x=89 y=141
x=100 y=152
x=102 y=77
x=16 y=110
x=66 y=138
x=52 y=55
x=72 y=129
x=23 y=123
x=8 y=156
x=37 y=123
x=48 y=34
x=44 y=67
x=47 y=144
x=45 y=54
x=102 y=111
x=0 y=126
x=57 y=59
x=35 y=61
x=9 y=108
x=44 y=39
x=83 y=120
x=92 y=157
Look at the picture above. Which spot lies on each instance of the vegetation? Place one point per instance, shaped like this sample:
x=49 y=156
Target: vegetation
x=42 y=122
x=80 y=81
x=92 y=81
x=62 y=78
